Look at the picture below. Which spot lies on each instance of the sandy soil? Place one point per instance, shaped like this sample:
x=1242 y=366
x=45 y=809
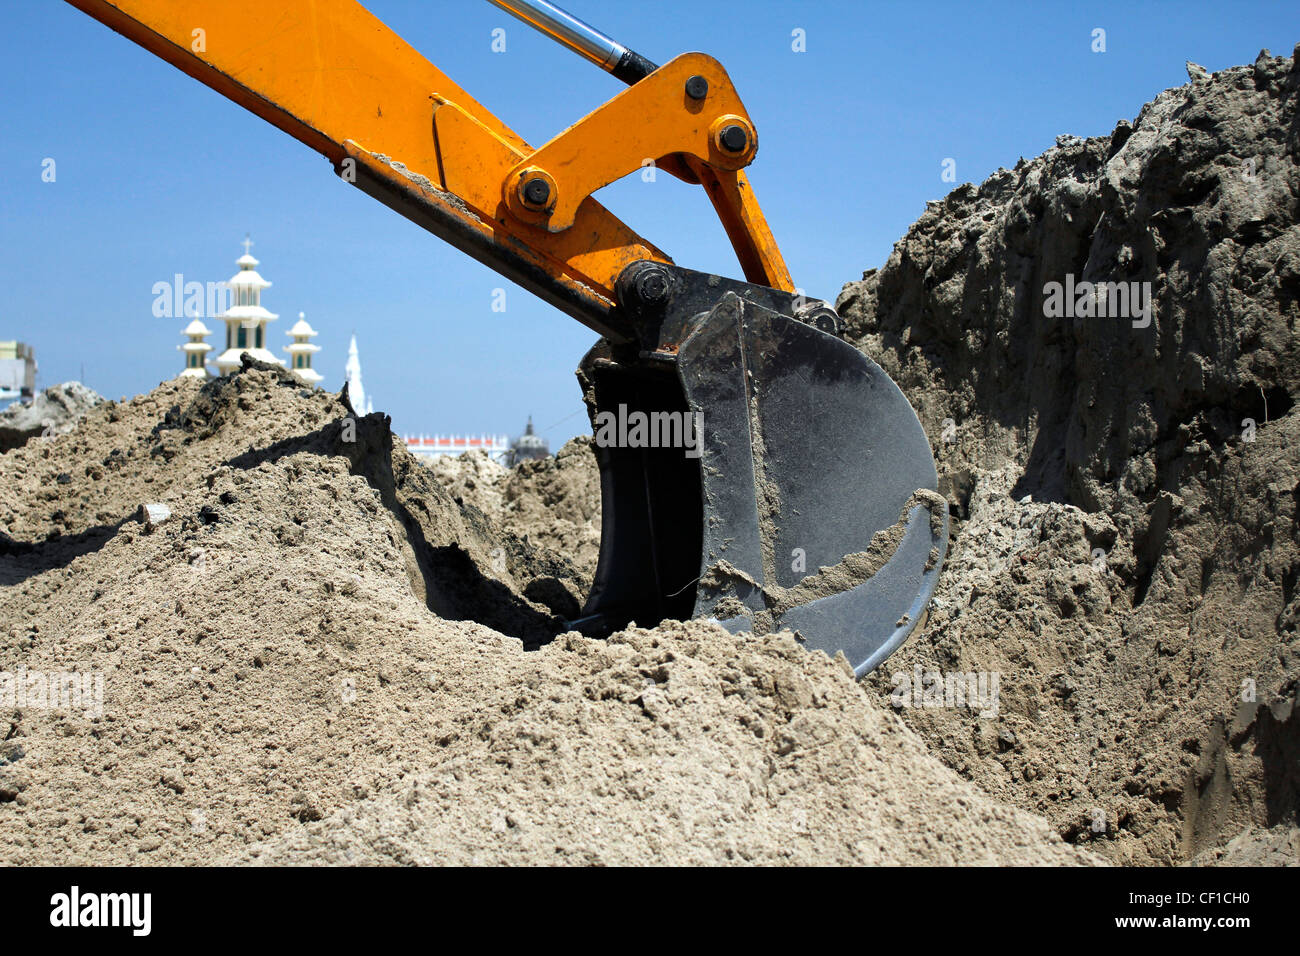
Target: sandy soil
x=52 y=411
x=283 y=679
x=326 y=652
x=1128 y=554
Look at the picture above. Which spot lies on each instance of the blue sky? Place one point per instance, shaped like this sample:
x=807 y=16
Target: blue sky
x=157 y=175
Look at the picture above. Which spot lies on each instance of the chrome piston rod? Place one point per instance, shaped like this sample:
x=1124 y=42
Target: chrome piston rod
x=588 y=42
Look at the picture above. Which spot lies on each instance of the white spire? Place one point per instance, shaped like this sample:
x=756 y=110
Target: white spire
x=352 y=373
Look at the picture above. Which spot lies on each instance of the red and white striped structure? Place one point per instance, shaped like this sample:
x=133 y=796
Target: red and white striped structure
x=429 y=446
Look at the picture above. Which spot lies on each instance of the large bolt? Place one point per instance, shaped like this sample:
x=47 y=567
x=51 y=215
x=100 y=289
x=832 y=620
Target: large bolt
x=536 y=192
x=697 y=87
x=820 y=317
x=653 y=284
x=734 y=139
x=645 y=288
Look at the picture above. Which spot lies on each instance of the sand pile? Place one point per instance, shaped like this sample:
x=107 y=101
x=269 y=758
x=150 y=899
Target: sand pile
x=53 y=411
x=472 y=478
x=1129 y=557
x=553 y=502
x=1279 y=846
x=1125 y=551
x=316 y=654
x=678 y=745
x=325 y=652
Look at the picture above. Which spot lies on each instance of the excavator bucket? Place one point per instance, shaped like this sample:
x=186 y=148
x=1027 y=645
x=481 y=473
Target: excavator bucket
x=802 y=494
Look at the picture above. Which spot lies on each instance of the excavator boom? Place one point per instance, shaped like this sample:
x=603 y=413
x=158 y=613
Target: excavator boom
x=806 y=457
x=333 y=76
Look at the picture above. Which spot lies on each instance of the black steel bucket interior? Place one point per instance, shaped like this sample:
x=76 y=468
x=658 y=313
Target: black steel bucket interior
x=652 y=523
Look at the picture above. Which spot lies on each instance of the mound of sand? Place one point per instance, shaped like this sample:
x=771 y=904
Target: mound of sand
x=553 y=502
x=53 y=411
x=681 y=744
x=328 y=653
x=1124 y=558
x=318 y=655
x=472 y=478
x=1129 y=557
x=1278 y=846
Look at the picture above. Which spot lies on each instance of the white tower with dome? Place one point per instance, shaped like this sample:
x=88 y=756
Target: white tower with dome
x=195 y=350
x=302 y=350
x=246 y=319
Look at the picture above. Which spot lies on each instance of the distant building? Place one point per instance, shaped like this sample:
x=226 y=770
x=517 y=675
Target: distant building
x=17 y=370
x=428 y=447
x=497 y=447
x=527 y=447
x=195 y=351
x=302 y=350
x=246 y=330
x=361 y=404
x=246 y=319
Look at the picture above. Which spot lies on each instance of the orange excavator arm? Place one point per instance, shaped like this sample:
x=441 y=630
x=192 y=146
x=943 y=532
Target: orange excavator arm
x=809 y=452
x=333 y=76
